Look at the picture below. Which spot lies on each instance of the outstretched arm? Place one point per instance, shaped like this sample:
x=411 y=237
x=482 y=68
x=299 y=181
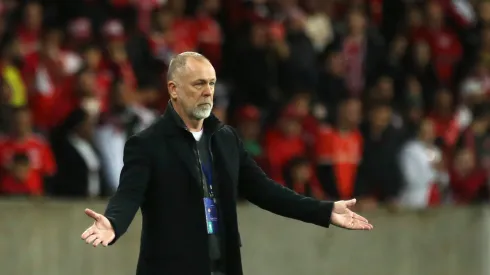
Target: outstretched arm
x=260 y=190
x=130 y=193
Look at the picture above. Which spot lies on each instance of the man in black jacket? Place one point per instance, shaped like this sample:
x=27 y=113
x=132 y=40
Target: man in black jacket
x=185 y=172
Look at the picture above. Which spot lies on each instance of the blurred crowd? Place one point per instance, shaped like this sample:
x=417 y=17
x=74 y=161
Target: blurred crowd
x=385 y=101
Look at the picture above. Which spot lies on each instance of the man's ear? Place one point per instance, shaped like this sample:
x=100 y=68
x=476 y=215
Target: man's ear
x=172 y=89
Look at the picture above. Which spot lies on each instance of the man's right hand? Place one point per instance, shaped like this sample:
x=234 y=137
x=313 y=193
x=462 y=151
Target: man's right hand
x=101 y=232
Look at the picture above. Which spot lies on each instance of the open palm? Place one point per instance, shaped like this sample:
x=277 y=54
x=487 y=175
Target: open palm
x=101 y=232
x=343 y=217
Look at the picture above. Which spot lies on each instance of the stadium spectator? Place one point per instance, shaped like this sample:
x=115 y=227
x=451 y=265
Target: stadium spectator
x=339 y=150
x=22 y=140
x=284 y=142
x=468 y=181
x=79 y=174
x=379 y=176
x=299 y=176
x=423 y=169
x=20 y=180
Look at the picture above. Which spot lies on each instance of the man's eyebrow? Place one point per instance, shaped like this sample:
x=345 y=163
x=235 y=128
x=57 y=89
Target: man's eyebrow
x=204 y=80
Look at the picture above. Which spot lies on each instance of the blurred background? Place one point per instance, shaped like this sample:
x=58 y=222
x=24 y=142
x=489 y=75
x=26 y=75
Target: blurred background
x=383 y=100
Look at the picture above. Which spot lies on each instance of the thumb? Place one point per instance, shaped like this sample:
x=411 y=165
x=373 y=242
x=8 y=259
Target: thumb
x=350 y=203
x=92 y=214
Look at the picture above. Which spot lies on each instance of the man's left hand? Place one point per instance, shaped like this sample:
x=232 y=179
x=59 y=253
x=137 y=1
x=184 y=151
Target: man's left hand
x=343 y=217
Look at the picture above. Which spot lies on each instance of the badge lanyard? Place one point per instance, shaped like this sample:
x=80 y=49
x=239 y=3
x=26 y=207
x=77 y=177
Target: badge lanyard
x=210 y=203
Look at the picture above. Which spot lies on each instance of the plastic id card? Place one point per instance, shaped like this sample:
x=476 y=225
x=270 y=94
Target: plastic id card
x=211 y=216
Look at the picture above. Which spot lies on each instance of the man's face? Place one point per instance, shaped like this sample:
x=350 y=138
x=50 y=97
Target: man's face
x=193 y=88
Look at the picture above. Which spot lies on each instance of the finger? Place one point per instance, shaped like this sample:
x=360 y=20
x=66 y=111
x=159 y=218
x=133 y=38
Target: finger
x=105 y=243
x=97 y=242
x=91 y=239
x=359 y=217
x=91 y=213
x=350 y=203
x=359 y=225
x=87 y=233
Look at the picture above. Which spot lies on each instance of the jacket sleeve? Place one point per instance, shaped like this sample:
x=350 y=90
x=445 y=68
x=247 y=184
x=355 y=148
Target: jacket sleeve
x=130 y=193
x=260 y=190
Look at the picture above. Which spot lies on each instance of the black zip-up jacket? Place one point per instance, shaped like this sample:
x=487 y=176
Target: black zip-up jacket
x=161 y=175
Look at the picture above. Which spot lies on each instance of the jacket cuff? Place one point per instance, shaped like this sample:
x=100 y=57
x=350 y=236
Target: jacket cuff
x=114 y=227
x=325 y=213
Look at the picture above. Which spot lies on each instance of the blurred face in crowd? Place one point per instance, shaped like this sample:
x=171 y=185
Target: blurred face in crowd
x=336 y=64
x=20 y=171
x=435 y=15
x=356 y=22
x=415 y=18
x=118 y=53
x=426 y=132
x=12 y=51
x=164 y=19
x=301 y=173
x=291 y=127
x=259 y=35
x=52 y=43
x=350 y=113
x=380 y=117
x=22 y=124
x=296 y=21
x=399 y=46
x=192 y=90
x=464 y=161
x=422 y=53
x=87 y=83
x=444 y=101
x=211 y=6
x=177 y=6
x=33 y=16
x=249 y=129
x=484 y=11
x=92 y=57
x=384 y=89
x=302 y=104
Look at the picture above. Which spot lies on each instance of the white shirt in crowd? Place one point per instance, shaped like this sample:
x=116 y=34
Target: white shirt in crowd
x=417 y=165
x=110 y=140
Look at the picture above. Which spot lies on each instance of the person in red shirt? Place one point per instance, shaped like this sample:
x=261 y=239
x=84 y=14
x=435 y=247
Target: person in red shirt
x=468 y=181
x=20 y=180
x=209 y=32
x=29 y=32
x=339 y=151
x=284 y=142
x=447 y=128
x=23 y=141
x=445 y=46
x=299 y=176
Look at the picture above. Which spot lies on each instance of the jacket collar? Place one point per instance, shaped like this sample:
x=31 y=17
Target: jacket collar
x=172 y=123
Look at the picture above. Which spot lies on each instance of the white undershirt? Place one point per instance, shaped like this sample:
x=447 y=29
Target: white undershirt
x=197 y=135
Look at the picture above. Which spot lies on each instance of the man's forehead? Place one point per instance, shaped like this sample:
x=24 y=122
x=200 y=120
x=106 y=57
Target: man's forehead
x=199 y=69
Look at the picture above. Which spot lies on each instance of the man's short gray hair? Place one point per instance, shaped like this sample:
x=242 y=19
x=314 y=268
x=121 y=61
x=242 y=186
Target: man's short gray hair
x=178 y=63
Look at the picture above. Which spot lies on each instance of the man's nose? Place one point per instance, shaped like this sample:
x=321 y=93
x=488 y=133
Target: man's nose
x=208 y=90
